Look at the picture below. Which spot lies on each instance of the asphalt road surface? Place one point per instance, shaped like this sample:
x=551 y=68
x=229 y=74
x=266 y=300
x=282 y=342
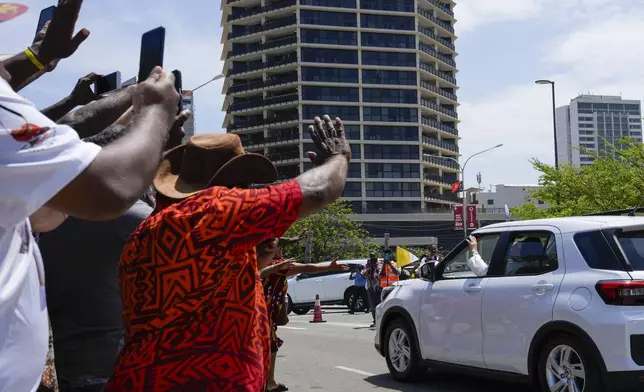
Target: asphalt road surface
x=339 y=356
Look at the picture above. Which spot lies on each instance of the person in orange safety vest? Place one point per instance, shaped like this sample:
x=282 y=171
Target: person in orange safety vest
x=379 y=274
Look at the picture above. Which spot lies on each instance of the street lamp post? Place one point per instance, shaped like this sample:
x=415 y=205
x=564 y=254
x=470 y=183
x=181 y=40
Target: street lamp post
x=462 y=171
x=220 y=76
x=554 y=115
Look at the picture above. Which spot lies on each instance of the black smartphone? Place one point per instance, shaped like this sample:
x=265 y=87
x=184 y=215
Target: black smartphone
x=108 y=83
x=46 y=15
x=178 y=85
x=152 y=48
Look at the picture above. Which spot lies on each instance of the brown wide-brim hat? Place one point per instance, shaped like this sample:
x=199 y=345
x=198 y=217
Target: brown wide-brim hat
x=211 y=160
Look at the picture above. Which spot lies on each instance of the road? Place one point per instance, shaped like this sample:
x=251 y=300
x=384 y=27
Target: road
x=339 y=356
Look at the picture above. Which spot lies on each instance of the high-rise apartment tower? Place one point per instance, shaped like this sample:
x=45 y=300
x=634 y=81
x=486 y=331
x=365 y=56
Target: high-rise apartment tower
x=386 y=67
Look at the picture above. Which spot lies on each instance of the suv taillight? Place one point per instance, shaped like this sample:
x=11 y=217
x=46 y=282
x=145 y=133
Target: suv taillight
x=621 y=292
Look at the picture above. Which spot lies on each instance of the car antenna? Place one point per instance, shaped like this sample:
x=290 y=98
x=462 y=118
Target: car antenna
x=637 y=207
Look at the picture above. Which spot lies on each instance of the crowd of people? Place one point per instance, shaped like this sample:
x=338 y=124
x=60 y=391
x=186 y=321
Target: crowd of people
x=156 y=262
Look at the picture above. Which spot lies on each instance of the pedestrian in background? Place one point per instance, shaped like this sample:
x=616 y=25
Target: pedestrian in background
x=359 y=289
x=379 y=274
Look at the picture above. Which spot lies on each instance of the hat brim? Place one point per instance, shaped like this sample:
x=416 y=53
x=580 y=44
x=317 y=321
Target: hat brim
x=167 y=180
x=244 y=170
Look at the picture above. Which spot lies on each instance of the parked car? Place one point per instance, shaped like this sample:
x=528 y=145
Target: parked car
x=334 y=288
x=561 y=306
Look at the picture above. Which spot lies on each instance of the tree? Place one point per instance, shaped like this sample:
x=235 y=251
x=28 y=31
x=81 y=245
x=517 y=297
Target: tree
x=334 y=235
x=613 y=182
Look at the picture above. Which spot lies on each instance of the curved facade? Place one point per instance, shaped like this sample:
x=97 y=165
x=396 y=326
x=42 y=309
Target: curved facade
x=386 y=67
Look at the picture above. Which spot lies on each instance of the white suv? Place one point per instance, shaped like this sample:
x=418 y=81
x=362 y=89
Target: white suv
x=561 y=306
x=334 y=288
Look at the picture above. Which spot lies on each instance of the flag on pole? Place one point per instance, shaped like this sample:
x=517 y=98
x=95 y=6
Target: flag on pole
x=507 y=213
x=456 y=187
x=404 y=257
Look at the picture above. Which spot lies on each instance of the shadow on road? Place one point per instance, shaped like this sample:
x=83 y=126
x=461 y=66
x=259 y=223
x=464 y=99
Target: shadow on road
x=435 y=381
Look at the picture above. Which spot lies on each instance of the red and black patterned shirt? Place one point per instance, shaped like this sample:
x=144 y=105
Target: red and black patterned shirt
x=194 y=308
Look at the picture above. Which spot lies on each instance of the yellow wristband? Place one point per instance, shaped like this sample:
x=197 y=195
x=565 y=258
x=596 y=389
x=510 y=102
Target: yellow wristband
x=32 y=57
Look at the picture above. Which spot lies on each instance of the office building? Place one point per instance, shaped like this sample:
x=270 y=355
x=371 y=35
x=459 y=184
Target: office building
x=188 y=102
x=495 y=199
x=590 y=122
x=386 y=67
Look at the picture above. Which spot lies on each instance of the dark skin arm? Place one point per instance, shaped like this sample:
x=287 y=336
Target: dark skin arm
x=324 y=184
x=82 y=94
x=297 y=268
x=98 y=115
x=123 y=170
x=56 y=111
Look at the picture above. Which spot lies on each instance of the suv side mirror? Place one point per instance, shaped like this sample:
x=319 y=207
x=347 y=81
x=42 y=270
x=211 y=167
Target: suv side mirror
x=427 y=271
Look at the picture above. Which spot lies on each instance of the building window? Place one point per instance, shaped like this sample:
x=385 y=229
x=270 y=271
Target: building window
x=382 y=95
x=329 y=37
x=330 y=3
x=352 y=189
x=490 y=202
x=355 y=170
x=331 y=75
x=388 y=5
x=333 y=94
x=346 y=113
x=356 y=151
x=327 y=18
x=389 y=40
x=389 y=59
x=381 y=132
x=372 y=151
x=380 y=207
x=384 y=114
x=392 y=170
x=336 y=56
x=393 y=189
x=376 y=76
x=387 y=22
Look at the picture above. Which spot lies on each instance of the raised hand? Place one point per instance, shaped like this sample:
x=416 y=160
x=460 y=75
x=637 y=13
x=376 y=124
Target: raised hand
x=83 y=93
x=329 y=140
x=334 y=266
x=473 y=244
x=177 y=133
x=159 y=90
x=58 y=40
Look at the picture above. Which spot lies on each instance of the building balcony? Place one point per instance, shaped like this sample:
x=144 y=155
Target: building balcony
x=283 y=136
x=443 y=25
x=259 y=47
x=441 y=41
x=438 y=90
x=436 y=179
x=439 y=161
x=283 y=156
x=437 y=108
x=267 y=8
x=262 y=84
x=432 y=70
x=435 y=54
x=436 y=125
x=286 y=60
x=448 y=198
x=282 y=99
x=440 y=144
x=265 y=122
x=276 y=24
x=442 y=7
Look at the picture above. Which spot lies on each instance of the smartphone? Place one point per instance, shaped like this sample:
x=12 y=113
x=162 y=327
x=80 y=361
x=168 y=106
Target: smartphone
x=387 y=257
x=108 y=83
x=178 y=85
x=46 y=15
x=152 y=49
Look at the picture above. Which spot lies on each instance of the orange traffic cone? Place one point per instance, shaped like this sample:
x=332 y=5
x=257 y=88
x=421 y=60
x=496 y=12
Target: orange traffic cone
x=317 y=311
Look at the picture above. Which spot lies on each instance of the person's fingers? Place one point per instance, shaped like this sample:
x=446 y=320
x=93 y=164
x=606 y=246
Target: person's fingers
x=315 y=136
x=328 y=127
x=319 y=126
x=92 y=77
x=312 y=156
x=182 y=117
x=156 y=74
x=78 y=39
x=339 y=127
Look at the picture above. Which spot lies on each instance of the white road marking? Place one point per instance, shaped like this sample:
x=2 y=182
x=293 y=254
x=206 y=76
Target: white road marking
x=293 y=328
x=352 y=370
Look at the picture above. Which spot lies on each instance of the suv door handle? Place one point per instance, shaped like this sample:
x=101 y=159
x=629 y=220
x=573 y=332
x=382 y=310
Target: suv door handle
x=318 y=280
x=543 y=287
x=473 y=288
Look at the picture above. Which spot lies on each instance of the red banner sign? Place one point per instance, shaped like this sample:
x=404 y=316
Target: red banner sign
x=472 y=218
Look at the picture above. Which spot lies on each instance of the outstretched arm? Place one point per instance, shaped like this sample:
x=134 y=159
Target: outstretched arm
x=297 y=268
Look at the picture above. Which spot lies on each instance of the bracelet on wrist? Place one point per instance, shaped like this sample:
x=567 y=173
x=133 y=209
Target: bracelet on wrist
x=31 y=55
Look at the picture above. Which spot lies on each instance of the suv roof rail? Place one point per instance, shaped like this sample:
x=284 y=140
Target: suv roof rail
x=638 y=211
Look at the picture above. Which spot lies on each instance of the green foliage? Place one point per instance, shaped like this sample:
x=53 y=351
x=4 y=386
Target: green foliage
x=334 y=235
x=609 y=183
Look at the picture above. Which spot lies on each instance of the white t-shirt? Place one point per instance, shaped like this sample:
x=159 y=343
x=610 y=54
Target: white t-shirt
x=37 y=159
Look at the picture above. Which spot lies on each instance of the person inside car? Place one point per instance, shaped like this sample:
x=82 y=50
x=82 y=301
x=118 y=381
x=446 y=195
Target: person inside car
x=476 y=262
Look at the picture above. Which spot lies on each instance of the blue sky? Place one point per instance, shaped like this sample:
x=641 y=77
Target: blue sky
x=504 y=45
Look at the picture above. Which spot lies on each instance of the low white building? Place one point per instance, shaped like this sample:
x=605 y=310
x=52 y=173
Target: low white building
x=495 y=199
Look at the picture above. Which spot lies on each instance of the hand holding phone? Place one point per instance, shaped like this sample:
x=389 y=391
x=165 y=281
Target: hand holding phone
x=473 y=244
x=46 y=15
x=152 y=50
x=178 y=85
x=107 y=83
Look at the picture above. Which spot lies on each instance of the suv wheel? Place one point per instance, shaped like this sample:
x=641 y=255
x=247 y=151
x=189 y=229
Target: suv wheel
x=361 y=305
x=302 y=310
x=565 y=366
x=401 y=352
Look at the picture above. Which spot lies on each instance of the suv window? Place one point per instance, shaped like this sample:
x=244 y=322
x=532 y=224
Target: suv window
x=456 y=267
x=632 y=243
x=530 y=253
x=596 y=251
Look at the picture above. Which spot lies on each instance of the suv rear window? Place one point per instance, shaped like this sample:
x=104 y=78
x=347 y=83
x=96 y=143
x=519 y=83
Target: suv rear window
x=596 y=251
x=632 y=244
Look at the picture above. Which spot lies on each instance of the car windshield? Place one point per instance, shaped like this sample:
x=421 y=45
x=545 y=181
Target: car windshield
x=632 y=243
